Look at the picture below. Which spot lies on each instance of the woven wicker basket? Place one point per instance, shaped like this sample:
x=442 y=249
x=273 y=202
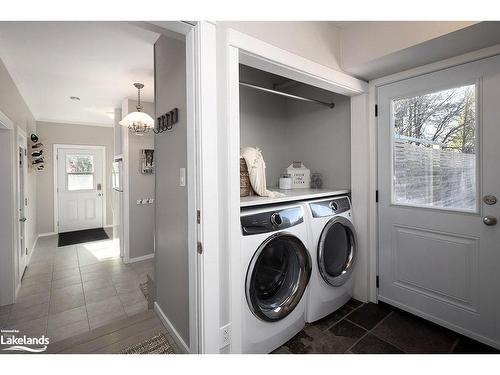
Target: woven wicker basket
x=245 y=187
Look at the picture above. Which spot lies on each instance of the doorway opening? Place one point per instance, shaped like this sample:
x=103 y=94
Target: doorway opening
x=79 y=187
x=94 y=173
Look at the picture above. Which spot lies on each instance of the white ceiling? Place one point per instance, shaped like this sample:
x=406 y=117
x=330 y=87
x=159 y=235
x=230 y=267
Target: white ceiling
x=95 y=61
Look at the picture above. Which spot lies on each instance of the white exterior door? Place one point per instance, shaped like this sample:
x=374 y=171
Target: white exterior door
x=438 y=176
x=80 y=191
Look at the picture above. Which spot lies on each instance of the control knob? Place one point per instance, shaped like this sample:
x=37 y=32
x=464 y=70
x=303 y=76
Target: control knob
x=276 y=219
x=334 y=205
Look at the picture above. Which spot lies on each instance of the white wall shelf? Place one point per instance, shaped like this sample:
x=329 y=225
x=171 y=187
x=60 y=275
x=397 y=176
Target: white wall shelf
x=291 y=196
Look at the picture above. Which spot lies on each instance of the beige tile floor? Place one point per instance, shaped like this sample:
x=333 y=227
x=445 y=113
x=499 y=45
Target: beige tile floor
x=73 y=289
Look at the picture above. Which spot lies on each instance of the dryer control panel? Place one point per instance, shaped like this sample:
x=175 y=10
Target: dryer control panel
x=330 y=207
x=271 y=221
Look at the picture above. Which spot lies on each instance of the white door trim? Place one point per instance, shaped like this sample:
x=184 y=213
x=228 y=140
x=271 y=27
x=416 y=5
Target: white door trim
x=202 y=160
x=236 y=48
x=202 y=190
x=371 y=151
x=21 y=141
x=57 y=146
x=192 y=191
x=5 y=122
x=8 y=264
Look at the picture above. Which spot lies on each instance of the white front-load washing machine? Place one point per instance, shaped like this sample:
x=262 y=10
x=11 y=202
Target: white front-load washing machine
x=276 y=268
x=333 y=252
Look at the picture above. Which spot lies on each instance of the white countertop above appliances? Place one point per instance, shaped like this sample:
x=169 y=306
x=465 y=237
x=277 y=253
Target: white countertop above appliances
x=290 y=196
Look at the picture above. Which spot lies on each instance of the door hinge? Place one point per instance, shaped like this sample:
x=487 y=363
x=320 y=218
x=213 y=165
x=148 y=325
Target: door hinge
x=199 y=247
x=198 y=216
x=26 y=251
x=25 y=152
x=57 y=222
x=376 y=110
x=377 y=281
x=376 y=196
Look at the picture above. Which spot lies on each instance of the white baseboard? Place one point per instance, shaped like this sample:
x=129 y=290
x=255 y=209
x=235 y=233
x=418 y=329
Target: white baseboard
x=173 y=332
x=46 y=234
x=18 y=288
x=139 y=259
x=32 y=249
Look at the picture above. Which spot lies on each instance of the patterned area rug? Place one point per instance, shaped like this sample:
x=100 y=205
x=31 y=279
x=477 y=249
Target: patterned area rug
x=158 y=344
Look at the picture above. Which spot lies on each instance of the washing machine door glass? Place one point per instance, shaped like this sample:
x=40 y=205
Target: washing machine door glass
x=337 y=251
x=277 y=277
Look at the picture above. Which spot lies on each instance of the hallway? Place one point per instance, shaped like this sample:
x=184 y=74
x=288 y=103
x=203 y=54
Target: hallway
x=70 y=290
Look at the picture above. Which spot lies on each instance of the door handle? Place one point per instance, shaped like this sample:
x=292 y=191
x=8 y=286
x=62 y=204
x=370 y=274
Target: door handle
x=490 y=220
x=99 y=187
x=22 y=220
x=99 y=195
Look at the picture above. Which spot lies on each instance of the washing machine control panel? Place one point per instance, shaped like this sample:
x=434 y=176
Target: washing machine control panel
x=271 y=221
x=330 y=207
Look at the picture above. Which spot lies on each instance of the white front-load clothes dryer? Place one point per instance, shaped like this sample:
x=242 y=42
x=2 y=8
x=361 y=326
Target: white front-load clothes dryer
x=276 y=268
x=333 y=252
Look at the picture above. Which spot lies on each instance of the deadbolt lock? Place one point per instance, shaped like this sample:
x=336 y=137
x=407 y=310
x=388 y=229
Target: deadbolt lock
x=490 y=200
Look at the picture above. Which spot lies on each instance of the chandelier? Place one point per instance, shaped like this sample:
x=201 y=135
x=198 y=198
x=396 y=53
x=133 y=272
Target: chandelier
x=138 y=122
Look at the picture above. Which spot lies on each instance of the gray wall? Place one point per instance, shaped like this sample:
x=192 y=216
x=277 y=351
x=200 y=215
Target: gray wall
x=263 y=124
x=55 y=133
x=141 y=216
x=317 y=41
x=320 y=136
x=171 y=273
x=14 y=107
x=287 y=130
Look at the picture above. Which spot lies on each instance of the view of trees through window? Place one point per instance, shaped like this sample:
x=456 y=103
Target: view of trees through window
x=434 y=149
x=79 y=164
x=80 y=172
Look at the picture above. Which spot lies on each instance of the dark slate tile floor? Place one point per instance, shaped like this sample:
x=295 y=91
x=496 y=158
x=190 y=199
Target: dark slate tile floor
x=368 y=328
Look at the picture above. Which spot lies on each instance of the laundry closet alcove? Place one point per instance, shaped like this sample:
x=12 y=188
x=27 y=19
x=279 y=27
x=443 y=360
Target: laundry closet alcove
x=286 y=129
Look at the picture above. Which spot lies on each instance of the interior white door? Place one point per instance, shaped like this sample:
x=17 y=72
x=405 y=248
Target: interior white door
x=21 y=207
x=80 y=192
x=438 y=176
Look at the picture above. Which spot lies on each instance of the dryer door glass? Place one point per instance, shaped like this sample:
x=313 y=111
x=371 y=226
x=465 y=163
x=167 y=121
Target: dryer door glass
x=337 y=251
x=277 y=277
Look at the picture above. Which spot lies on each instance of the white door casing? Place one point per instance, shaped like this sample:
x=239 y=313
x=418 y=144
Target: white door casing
x=79 y=187
x=236 y=48
x=22 y=176
x=441 y=263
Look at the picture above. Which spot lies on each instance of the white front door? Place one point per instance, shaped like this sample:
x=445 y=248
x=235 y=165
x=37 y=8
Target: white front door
x=438 y=176
x=80 y=192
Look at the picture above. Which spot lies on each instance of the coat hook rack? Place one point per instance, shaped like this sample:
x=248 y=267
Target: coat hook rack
x=166 y=121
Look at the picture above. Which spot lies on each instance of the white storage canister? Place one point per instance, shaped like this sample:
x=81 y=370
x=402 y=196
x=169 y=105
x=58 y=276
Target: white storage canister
x=286 y=182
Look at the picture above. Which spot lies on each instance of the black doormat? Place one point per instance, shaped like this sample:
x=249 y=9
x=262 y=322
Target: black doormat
x=80 y=236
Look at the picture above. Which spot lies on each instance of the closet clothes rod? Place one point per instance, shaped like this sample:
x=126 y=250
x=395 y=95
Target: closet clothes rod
x=271 y=91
